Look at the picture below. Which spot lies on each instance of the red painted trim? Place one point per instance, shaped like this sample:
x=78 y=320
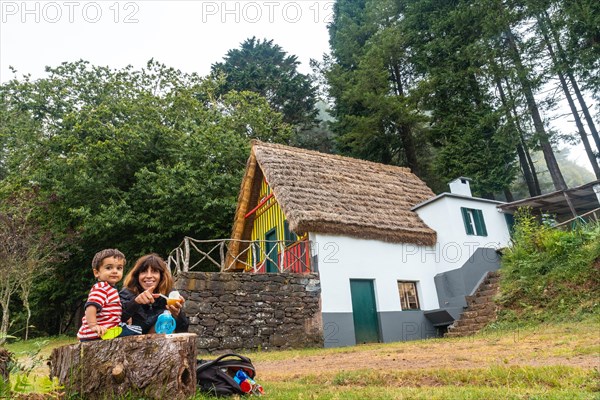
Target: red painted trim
x=297 y=257
x=262 y=202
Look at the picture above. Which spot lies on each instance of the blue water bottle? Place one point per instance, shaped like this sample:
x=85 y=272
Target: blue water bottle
x=165 y=323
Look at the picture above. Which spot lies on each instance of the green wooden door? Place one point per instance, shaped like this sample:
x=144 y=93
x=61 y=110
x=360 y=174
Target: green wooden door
x=271 y=250
x=364 y=311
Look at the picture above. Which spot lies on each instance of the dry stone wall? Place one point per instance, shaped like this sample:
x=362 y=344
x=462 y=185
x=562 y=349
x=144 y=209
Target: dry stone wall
x=240 y=311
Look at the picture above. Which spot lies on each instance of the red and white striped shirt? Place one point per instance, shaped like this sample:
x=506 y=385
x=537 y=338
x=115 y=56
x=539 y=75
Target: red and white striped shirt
x=105 y=298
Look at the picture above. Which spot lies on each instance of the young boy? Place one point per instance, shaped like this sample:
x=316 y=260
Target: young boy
x=103 y=307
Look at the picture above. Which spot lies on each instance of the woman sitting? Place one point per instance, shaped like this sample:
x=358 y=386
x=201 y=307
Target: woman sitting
x=141 y=298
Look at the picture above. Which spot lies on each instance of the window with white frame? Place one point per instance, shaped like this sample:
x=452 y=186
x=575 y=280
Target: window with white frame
x=409 y=299
x=474 y=223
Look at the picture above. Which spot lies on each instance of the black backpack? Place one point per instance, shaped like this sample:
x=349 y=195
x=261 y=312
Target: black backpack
x=215 y=377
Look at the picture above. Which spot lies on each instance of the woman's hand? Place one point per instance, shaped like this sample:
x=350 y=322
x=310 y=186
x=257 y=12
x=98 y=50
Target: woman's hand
x=175 y=309
x=146 y=297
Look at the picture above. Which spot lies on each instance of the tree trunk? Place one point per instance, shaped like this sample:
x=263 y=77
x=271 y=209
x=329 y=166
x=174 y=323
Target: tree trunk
x=149 y=366
x=5 y=302
x=565 y=88
x=403 y=129
x=569 y=72
x=508 y=194
x=536 y=182
x=523 y=159
x=544 y=139
x=585 y=110
x=526 y=171
x=25 y=289
x=28 y=309
x=408 y=144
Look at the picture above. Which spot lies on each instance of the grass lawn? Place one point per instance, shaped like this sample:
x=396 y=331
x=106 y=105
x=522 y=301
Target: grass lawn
x=559 y=361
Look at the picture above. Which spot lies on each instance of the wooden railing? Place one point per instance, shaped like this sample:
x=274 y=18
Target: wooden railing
x=211 y=255
x=593 y=215
x=294 y=258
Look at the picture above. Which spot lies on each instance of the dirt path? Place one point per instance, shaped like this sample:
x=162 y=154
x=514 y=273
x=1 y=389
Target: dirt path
x=538 y=348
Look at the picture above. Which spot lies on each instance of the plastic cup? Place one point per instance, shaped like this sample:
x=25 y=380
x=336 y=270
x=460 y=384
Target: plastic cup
x=173 y=298
x=172 y=302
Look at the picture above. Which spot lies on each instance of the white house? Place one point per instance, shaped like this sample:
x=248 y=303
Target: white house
x=395 y=261
x=463 y=223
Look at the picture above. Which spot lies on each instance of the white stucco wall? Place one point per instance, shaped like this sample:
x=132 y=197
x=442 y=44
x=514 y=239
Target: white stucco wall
x=454 y=246
x=342 y=258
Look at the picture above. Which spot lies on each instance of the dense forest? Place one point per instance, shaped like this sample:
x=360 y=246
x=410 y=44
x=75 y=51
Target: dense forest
x=453 y=88
x=93 y=157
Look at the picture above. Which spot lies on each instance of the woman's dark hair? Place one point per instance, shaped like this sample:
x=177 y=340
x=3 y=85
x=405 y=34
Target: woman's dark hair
x=156 y=263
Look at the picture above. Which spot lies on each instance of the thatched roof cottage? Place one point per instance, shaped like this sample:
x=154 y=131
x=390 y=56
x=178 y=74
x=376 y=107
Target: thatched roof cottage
x=372 y=232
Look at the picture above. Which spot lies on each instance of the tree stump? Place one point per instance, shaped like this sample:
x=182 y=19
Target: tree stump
x=152 y=366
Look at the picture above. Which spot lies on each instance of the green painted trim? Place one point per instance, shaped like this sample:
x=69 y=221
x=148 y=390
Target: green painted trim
x=479 y=223
x=467 y=221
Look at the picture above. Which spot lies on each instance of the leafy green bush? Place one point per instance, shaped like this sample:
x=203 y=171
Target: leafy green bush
x=550 y=274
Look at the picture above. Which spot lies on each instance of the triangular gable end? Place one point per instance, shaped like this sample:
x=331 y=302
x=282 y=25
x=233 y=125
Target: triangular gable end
x=248 y=197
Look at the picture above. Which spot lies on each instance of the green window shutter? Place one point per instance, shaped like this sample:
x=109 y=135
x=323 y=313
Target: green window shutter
x=286 y=231
x=467 y=221
x=289 y=236
x=510 y=222
x=479 y=223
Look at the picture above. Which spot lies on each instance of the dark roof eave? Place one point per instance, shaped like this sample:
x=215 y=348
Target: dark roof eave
x=530 y=201
x=418 y=237
x=458 y=196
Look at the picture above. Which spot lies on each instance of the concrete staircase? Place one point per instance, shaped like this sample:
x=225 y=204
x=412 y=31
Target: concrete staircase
x=480 y=311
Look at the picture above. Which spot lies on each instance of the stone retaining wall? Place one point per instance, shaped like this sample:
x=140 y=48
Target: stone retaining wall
x=239 y=311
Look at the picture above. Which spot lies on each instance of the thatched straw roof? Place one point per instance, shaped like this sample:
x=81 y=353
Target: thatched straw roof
x=325 y=193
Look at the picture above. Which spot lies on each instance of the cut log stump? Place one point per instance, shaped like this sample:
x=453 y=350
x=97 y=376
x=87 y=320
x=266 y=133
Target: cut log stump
x=151 y=366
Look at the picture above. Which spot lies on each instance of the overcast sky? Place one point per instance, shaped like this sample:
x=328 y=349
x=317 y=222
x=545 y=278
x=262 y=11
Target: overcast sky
x=188 y=35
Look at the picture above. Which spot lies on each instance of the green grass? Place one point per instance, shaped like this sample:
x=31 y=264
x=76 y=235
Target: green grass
x=496 y=379
x=496 y=382
x=308 y=352
x=295 y=390
x=492 y=377
x=45 y=344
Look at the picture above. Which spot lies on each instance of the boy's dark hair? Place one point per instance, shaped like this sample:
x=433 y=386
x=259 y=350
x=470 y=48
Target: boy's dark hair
x=102 y=254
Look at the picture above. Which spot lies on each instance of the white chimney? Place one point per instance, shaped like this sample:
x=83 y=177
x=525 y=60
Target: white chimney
x=461 y=186
x=597 y=190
